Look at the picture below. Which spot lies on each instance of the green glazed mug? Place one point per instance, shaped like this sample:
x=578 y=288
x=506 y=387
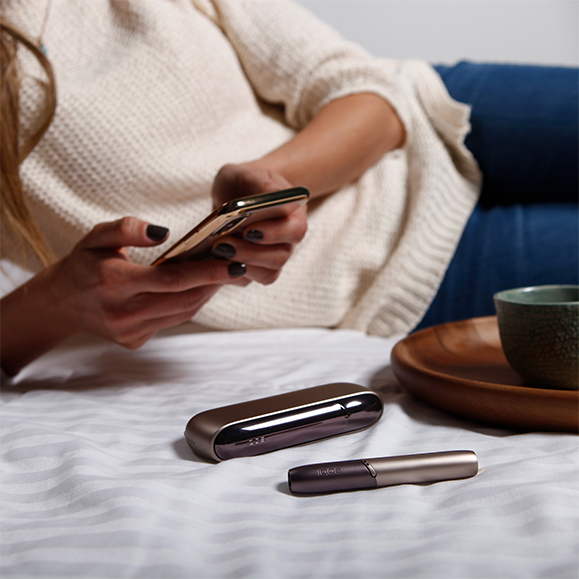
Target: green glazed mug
x=539 y=328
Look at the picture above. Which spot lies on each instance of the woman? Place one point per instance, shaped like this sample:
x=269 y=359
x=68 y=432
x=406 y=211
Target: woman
x=161 y=103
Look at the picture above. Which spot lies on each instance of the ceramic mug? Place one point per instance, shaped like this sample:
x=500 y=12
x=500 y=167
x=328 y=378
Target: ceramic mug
x=539 y=328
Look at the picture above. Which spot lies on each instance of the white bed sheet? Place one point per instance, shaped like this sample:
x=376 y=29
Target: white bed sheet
x=97 y=480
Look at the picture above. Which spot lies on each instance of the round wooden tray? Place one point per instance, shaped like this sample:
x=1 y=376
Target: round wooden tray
x=460 y=368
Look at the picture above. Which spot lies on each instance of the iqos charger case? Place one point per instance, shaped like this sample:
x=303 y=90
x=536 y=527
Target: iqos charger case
x=260 y=426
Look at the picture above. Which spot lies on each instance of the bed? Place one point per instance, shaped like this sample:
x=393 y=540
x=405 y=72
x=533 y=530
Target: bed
x=98 y=481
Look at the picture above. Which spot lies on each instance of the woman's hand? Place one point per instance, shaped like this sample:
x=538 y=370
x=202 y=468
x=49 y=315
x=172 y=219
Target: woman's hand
x=267 y=245
x=344 y=138
x=97 y=289
x=235 y=181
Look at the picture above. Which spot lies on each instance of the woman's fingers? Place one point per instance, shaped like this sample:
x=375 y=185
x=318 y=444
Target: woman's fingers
x=122 y=318
x=97 y=289
x=262 y=275
x=266 y=247
x=290 y=229
x=128 y=231
x=265 y=256
x=146 y=314
x=235 y=181
x=122 y=277
x=180 y=277
x=158 y=306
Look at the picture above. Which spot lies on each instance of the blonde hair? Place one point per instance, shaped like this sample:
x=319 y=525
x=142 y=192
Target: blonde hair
x=14 y=209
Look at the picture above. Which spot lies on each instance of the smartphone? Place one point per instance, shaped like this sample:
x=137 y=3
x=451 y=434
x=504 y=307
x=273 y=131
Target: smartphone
x=230 y=219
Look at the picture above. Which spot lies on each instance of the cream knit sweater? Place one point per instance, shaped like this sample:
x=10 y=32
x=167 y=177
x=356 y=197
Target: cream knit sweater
x=154 y=96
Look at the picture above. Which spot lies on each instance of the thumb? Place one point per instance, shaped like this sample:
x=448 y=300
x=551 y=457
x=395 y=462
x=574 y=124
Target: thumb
x=124 y=232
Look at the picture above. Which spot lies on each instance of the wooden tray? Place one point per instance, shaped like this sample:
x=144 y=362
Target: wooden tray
x=460 y=368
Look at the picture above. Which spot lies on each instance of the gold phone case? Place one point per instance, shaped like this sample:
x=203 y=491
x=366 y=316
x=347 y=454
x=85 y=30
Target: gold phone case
x=229 y=218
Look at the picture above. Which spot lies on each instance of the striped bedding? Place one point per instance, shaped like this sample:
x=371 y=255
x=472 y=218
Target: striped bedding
x=97 y=480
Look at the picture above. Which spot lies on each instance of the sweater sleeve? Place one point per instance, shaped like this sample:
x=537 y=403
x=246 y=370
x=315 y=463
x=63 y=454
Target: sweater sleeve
x=293 y=59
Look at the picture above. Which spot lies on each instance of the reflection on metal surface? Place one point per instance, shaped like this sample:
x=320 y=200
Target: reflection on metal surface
x=296 y=417
x=297 y=426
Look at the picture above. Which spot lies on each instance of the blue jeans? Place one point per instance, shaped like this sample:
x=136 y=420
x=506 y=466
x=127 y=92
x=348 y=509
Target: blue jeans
x=525 y=228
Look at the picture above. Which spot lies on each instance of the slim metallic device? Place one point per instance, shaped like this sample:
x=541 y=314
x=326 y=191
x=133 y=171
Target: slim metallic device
x=372 y=473
x=229 y=219
x=276 y=422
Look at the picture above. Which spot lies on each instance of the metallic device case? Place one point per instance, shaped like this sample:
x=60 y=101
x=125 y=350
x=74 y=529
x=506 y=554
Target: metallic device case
x=268 y=424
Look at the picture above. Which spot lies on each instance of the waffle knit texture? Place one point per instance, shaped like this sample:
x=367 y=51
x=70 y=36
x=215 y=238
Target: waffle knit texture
x=154 y=96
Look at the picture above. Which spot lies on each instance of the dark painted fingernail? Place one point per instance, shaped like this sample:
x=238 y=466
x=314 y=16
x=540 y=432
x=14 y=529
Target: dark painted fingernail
x=156 y=232
x=254 y=235
x=236 y=269
x=224 y=250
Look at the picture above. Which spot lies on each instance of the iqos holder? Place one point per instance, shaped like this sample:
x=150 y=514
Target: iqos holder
x=372 y=473
x=276 y=422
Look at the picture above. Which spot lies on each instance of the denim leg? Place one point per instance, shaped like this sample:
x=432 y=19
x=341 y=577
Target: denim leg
x=525 y=129
x=525 y=229
x=507 y=247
